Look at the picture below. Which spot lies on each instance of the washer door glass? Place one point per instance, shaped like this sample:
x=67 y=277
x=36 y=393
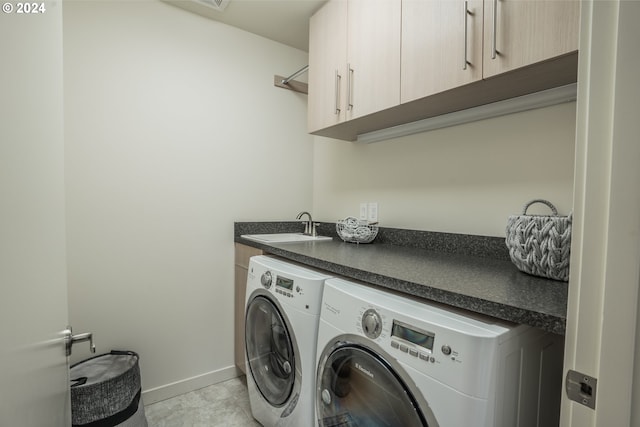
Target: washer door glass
x=269 y=351
x=358 y=388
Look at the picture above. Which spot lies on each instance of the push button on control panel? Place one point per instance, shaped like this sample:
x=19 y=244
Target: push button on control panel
x=284 y=293
x=413 y=352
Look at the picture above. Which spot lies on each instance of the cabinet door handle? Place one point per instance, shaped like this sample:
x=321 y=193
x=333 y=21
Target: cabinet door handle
x=494 y=49
x=349 y=88
x=337 y=98
x=466 y=33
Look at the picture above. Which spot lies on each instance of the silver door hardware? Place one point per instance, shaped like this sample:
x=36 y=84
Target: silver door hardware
x=71 y=339
x=581 y=388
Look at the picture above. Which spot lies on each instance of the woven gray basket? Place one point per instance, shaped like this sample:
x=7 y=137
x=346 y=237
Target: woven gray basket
x=540 y=244
x=105 y=391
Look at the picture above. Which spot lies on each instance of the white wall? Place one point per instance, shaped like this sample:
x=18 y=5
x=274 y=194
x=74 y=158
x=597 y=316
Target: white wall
x=174 y=130
x=463 y=179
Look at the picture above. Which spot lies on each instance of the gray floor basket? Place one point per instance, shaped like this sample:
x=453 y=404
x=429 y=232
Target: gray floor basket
x=105 y=391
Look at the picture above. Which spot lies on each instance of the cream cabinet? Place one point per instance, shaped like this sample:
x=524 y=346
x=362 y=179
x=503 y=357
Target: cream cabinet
x=519 y=33
x=373 y=56
x=452 y=55
x=242 y=255
x=441 y=46
x=327 y=66
x=354 y=60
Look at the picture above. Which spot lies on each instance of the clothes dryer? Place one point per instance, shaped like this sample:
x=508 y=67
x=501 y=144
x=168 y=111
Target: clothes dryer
x=387 y=360
x=281 y=323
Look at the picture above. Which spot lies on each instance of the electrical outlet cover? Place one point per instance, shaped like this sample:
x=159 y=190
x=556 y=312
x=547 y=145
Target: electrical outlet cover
x=373 y=212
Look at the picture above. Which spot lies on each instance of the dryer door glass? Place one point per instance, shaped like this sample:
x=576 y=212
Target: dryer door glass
x=269 y=351
x=358 y=388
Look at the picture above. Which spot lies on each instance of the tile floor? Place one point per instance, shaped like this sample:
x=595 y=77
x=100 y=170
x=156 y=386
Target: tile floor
x=221 y=405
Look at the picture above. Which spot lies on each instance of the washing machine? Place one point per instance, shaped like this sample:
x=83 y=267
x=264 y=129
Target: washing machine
x=388 y=360
x=282 y=311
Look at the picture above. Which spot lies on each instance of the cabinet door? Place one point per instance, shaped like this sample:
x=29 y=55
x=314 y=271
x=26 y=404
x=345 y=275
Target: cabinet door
x=522 y=32
x=327 y=66
x=441 y=46
x=373 y=81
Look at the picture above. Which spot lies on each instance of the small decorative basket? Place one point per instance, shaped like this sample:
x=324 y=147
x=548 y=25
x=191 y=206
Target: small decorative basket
x=353 y=231
x=540 y=244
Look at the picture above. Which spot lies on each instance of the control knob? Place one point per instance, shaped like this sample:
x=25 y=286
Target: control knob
x=446 y=350
x=266 y=279
x=371 y=324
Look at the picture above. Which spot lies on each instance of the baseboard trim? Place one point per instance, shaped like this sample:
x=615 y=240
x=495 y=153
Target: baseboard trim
x=177 y=388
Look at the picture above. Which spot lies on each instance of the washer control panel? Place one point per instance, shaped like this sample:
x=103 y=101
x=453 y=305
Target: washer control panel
x=294 y=285
x=412 y=340
x=406 y=339
x=286 y=287
x=283 y=285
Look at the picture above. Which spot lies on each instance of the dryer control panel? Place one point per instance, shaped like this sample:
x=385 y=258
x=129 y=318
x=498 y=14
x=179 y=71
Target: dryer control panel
x=291 y=284
x=285 y=287
x=412 y=340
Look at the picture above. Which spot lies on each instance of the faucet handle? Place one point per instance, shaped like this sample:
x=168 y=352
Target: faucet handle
x=314 y=232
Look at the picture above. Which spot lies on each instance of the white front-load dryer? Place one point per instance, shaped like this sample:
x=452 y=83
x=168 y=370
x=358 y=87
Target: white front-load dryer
x=282 y=311
x=387 y=360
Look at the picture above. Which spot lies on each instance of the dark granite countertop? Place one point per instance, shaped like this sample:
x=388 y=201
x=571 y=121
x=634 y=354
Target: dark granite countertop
x=458 y=272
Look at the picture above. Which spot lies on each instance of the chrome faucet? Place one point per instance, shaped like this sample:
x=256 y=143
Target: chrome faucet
x=309 y=225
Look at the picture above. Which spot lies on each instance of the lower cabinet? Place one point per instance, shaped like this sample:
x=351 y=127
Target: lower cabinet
x=243 y=253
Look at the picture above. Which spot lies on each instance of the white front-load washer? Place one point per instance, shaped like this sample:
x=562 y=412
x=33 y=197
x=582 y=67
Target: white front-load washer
x=282 y=311
x=388 y=360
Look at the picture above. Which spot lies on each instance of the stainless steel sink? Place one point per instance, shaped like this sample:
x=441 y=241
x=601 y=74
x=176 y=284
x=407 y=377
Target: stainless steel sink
x=284 y=238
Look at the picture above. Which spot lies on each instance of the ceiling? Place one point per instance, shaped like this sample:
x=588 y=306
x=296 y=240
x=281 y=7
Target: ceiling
x=285 y=21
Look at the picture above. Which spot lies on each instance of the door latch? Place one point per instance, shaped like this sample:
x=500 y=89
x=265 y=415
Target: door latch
x=581 y=388
x=71 y=339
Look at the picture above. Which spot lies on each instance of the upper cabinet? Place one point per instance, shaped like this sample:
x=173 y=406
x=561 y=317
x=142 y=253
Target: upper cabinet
x=373 y=56
x=354 y=60
x=327 y=66
x=408 y=60
x=519 y=33
x=441 y=46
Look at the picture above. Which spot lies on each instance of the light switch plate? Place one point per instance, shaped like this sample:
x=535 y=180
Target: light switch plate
x=363 y=211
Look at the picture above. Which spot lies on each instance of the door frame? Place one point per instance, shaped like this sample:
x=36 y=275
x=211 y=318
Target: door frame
x=605 y=262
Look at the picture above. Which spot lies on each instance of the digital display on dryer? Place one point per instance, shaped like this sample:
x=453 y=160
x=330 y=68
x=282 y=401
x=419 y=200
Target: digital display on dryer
x=414 y=335
x=284 y=283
